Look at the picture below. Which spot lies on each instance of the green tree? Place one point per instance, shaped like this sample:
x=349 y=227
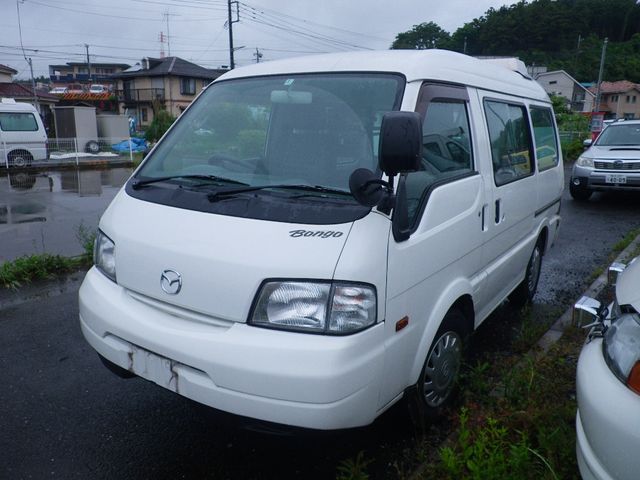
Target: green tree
x=425 y=35
x=161 y=122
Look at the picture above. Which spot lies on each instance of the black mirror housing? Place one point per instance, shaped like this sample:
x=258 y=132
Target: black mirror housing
x=400 y=149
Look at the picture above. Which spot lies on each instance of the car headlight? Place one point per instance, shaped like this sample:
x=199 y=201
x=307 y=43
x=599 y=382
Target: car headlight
x=584 y=161
x=622 y=350
x=336 y=308
x=104 y=256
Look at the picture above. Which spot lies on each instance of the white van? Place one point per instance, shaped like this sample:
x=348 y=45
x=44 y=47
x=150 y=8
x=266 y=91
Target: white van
x=23 y=138
x=315 y=238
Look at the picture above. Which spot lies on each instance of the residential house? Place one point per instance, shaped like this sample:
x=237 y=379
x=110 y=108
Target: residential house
x=560 y=83
x=79 y=72
x=6 y=74
x=170 y=83
x=619 y=99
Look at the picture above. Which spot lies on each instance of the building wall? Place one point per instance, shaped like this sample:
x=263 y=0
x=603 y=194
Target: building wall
x=176 y=99
x=5 y=77
x=622 y=104
x=557 y=83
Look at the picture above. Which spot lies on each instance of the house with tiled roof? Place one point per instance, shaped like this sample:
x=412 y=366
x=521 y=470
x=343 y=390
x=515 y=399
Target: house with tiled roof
x=170 y=83
x=619 y=99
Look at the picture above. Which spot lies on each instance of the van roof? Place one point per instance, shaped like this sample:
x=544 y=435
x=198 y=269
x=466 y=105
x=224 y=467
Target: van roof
x=13 y=106
x=415 y=65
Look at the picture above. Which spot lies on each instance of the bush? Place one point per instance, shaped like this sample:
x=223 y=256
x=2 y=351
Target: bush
x=161 y=122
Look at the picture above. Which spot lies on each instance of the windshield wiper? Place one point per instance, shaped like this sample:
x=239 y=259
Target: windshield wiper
x=308 y=188
x=141 y=183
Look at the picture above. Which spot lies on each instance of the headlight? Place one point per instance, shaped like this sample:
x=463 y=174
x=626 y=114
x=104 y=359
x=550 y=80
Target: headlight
x=584 y=161
x=104 y=255
x=622 y=350
x=315 y=307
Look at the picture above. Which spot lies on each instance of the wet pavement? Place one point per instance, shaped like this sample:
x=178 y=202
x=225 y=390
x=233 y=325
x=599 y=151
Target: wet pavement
x=42 y=211
x=65 y=416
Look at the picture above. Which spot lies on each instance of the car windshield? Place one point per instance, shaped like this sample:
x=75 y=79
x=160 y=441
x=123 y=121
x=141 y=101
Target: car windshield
x=311 y=129
x=620 y=135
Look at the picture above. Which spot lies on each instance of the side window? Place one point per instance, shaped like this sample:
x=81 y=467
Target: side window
x=511 y=151
x=18 y=122
x=446 y=142
x=544 y=135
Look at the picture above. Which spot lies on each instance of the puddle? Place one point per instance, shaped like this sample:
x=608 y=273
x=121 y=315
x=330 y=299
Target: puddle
x=41 y=212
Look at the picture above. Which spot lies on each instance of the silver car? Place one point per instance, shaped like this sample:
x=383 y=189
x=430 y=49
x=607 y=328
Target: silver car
x=611 y=163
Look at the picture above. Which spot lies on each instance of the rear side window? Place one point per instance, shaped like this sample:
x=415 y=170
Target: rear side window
x=511 y=148
x=545 y=138
x=18 y=122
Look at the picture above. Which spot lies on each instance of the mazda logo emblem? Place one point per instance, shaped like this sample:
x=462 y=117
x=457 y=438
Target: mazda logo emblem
x=171 y=282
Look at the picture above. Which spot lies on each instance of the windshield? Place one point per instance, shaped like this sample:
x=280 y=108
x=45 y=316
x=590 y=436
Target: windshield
x=311 y=129
x=620 y=135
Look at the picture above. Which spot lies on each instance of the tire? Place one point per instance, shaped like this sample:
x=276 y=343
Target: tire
x=20 y=159
x=92 y=147
x=526 y=290
x=579 y=194
x=437 y=384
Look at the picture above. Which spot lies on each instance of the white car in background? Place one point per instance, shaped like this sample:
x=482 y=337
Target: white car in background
x=608 y=382
x=97 y=89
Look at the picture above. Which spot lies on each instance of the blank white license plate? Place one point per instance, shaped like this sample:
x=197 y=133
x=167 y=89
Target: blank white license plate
x=615 y=179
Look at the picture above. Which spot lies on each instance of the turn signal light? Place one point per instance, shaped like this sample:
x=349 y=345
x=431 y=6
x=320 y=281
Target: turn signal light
x=633 y=382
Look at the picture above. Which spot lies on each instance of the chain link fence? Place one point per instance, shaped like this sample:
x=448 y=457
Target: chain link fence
x=70 y=151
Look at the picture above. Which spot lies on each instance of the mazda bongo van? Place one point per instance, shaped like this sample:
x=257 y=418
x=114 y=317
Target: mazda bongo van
x=314 y=238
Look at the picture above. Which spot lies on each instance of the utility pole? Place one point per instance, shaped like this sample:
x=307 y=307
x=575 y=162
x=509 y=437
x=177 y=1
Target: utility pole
x=86 y=46
x=258 y=55
x=28 y=60
x=230 y=22
x=604 y=51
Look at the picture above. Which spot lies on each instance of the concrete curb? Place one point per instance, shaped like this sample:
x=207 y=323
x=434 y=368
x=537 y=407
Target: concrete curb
x=557 y=329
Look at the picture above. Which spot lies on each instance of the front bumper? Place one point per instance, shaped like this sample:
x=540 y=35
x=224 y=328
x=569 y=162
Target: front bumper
x=607 y=422
x=304 y=380
x=594 y=179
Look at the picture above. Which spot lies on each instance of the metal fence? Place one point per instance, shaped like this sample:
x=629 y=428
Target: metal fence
x=568 y=136
x=69 y=151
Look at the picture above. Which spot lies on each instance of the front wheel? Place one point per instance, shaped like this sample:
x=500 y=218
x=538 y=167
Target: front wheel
x=438 y=380
x=524 y=293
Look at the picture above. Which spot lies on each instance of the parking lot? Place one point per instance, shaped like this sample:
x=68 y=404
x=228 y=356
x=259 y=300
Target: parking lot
x=65 y=416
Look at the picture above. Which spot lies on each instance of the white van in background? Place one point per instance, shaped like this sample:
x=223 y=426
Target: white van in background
x=23 y=138
x=315 y=238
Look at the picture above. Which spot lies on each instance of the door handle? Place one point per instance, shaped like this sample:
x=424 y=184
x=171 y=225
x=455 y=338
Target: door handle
x=483 y=216
x=497 y=212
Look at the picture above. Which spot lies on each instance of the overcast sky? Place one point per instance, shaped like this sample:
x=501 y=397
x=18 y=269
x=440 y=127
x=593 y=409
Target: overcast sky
x=124 y=31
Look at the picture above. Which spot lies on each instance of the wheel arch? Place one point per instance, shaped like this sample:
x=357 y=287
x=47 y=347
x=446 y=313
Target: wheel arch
x=458 y=295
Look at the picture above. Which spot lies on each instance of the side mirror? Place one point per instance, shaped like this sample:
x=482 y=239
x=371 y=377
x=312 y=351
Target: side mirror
x=587 y=143
x=366 y=187
x=586 y=311
x=400 y=149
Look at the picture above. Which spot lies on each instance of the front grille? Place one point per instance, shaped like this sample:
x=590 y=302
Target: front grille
x=617 y=165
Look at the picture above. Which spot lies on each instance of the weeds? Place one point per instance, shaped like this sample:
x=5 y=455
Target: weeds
x=35 y=267
x=26 y=269
x=354 y=469
x=87 y=238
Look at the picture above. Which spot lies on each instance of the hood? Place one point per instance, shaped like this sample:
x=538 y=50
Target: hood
x=614 y=153
x=222 y=260
x=628 y=286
